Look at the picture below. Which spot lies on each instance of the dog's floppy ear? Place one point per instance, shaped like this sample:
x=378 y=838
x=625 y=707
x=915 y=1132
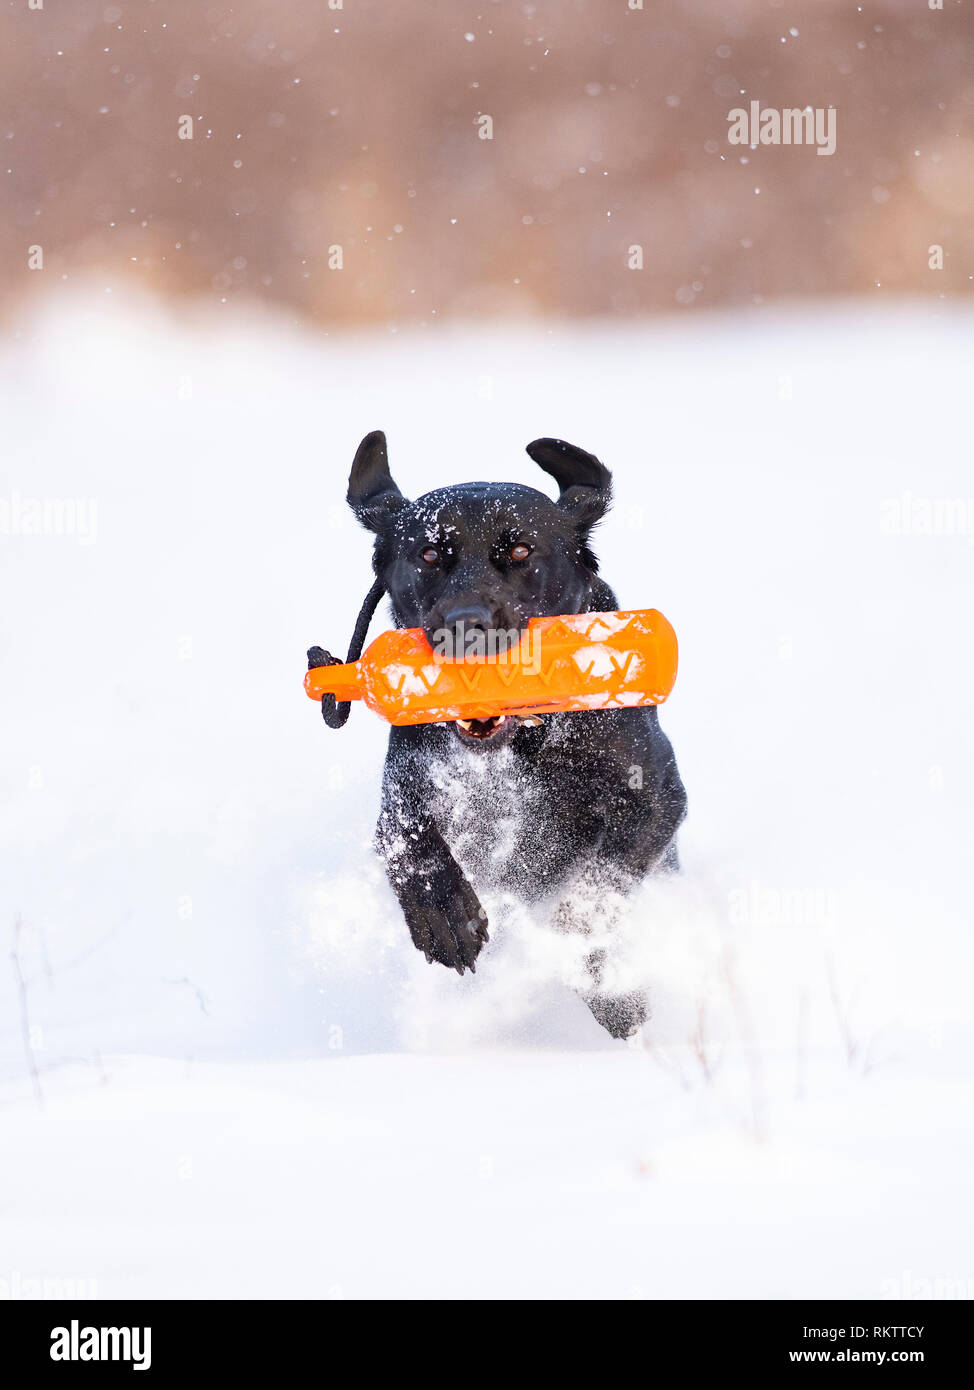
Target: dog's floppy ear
x=372 y=495
x=585 y=483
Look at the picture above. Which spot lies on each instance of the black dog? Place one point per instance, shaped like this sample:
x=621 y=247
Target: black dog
x=580 y=807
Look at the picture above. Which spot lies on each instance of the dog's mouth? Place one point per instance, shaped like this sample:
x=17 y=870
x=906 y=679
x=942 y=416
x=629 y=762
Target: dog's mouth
x=480 y=729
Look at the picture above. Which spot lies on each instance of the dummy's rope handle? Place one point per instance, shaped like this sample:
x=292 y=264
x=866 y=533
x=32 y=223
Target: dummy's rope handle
x=333 y=713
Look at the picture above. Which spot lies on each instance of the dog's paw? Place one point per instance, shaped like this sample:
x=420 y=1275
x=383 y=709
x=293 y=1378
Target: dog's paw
x=445 y=919
x=621 y=1015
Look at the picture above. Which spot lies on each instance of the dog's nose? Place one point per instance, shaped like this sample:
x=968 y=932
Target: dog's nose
x=474 y=617
x=464 y=625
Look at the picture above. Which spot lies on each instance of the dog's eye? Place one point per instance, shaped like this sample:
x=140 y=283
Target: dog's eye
x=520 y=551
x=431 y=555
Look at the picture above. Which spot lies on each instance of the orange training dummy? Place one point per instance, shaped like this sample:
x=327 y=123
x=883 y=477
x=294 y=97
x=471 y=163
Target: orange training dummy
x=584 y=661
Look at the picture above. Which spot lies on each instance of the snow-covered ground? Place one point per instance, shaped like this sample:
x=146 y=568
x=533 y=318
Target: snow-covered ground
x=249 y=1082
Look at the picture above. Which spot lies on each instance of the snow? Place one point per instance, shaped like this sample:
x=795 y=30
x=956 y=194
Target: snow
x=251 y=1084
x=494 y=1175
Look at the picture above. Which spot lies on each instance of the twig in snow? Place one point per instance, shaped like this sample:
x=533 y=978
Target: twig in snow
x=25 y=1027
x=759 y=1130
x=801 y=1046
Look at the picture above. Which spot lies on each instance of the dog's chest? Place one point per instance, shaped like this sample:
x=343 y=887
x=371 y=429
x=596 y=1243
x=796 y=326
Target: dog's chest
x=491 y=810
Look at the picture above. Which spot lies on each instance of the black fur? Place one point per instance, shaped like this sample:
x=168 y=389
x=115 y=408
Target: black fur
x=596 y=798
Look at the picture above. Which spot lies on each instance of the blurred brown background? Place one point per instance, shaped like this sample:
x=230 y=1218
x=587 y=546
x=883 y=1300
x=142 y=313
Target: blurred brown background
x=357 y=126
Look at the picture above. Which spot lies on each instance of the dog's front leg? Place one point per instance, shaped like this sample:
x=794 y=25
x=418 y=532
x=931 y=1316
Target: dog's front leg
x=591 y=908
x=639 y=817
x=634 y=820
x=442 y=911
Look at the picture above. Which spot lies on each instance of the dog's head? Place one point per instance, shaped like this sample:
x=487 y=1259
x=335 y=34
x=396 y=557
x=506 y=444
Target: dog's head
x=483 y=557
